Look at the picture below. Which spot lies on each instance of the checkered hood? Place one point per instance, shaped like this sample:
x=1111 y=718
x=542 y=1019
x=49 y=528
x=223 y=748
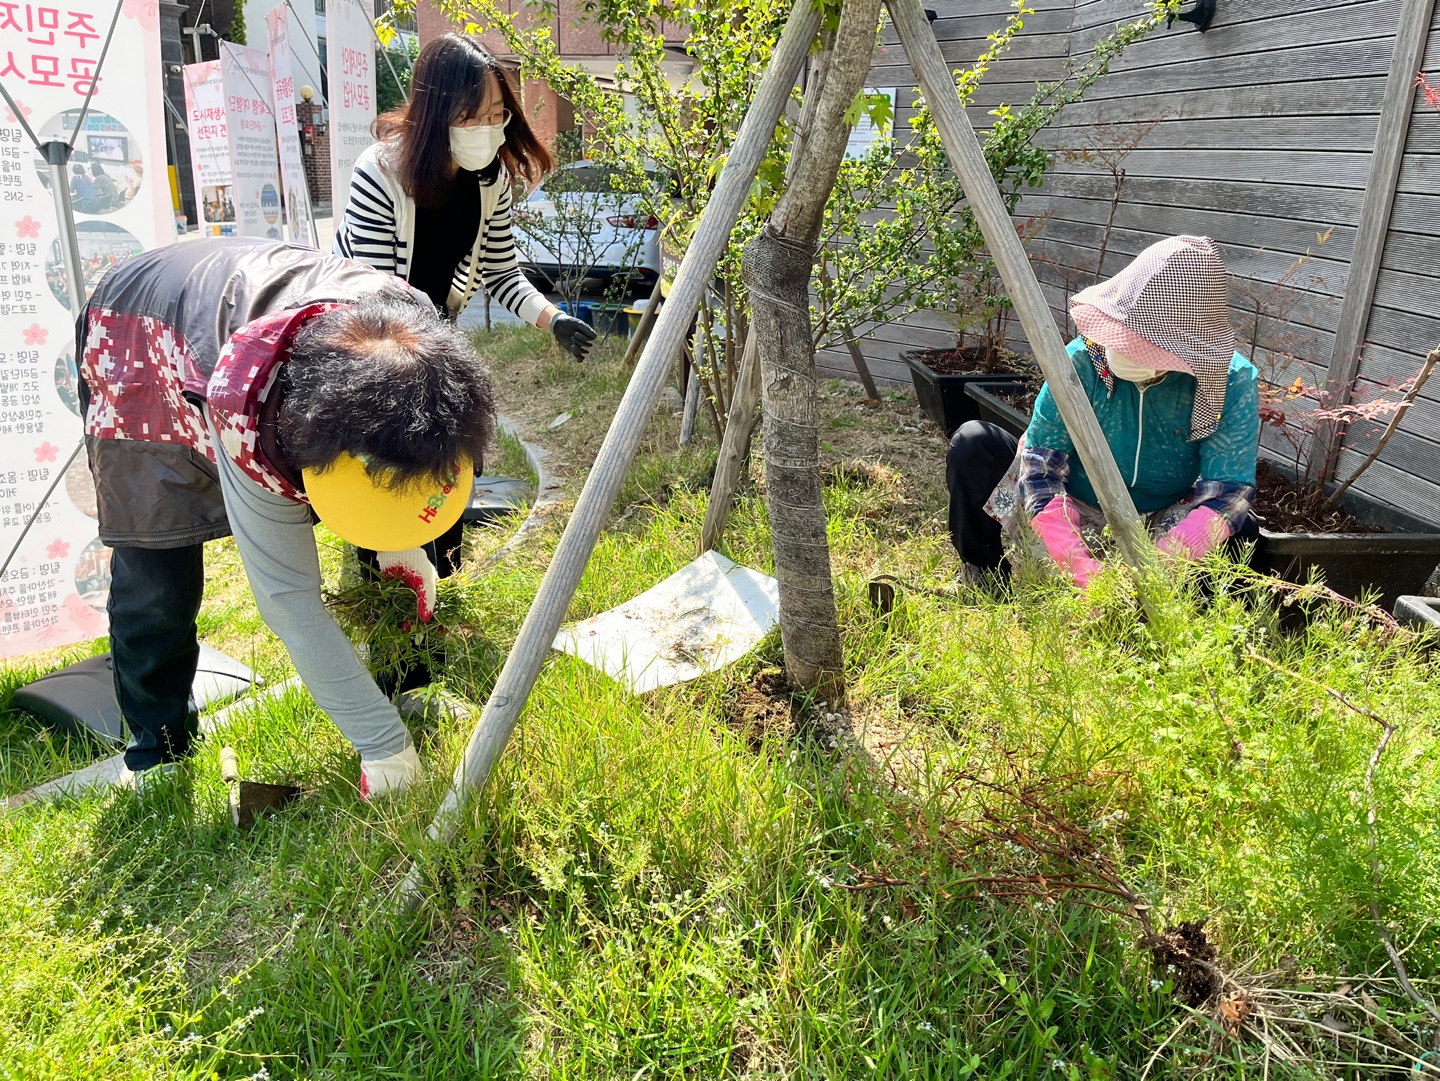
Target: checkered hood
x=1166 y=310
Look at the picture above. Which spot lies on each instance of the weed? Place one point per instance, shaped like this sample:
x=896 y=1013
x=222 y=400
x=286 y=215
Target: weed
x=690 y=884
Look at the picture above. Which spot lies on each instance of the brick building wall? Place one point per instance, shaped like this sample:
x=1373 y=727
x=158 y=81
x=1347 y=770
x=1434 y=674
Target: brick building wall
x=315 y=148
x=546 y=111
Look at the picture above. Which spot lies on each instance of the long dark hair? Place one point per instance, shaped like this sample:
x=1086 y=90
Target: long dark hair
x=448 y=84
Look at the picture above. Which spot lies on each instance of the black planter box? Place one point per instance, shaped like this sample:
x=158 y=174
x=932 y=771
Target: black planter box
x=1389 y=564
x=942 y=397
x=1422 y=613
x=996 y=409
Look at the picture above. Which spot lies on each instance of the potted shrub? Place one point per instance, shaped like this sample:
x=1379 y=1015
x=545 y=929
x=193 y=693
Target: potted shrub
x=1311 y=522
x=981 y=317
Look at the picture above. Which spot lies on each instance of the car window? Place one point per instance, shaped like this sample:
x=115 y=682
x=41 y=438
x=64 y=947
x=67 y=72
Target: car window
x=591 y=178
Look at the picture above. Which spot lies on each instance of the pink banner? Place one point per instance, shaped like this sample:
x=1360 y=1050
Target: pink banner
x=292 y=164
x=54 y=592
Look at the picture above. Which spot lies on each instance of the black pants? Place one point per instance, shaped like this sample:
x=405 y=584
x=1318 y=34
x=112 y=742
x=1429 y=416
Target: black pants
x=155 y=596
x=444 y=553
x=979 y=454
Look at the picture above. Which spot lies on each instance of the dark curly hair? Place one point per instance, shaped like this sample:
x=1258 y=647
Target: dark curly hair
x=388 y=381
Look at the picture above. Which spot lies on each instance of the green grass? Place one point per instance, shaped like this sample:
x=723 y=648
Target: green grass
x=656 y=887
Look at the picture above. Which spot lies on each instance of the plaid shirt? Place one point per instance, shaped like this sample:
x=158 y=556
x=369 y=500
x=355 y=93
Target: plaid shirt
x=1044 y=473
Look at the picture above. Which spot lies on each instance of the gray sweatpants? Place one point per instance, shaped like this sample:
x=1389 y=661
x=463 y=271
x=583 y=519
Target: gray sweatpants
x=277 y=545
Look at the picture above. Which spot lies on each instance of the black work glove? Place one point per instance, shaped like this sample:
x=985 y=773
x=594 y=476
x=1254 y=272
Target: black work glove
x=574 y=335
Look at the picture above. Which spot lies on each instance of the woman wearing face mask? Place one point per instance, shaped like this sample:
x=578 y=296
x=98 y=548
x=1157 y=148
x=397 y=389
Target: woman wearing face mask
x=1178 y=406
x=430 y=203
x=430 y=200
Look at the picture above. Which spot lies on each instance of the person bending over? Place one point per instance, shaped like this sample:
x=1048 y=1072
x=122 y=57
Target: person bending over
x=1179 y=407
x=246 y=387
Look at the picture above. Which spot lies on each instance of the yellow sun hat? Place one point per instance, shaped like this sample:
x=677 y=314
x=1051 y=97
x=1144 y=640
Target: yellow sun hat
x=369 y=515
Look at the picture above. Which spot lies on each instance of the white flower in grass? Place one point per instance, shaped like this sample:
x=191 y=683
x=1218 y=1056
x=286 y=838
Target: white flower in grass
x=925 y=1026
x=1057 y=1064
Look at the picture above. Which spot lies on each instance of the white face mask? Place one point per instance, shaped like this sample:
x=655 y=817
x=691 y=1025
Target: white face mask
x=1122 y=367
x=475 y=147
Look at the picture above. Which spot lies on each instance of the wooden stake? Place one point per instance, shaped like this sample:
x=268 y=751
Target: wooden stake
x=712 y=234
x=861 y=368
x=958 y=137
x=647 y=320
x=734 y=447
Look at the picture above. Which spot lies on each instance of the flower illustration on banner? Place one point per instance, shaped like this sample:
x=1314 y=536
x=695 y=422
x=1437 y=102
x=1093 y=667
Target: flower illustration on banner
x=27 y=228
x=24 y=109
x=58 y=549
x=146 y=12
x=46 y=452
x=35 y=334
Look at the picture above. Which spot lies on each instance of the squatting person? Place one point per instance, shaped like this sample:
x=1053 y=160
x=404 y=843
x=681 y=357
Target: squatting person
x=251 y=388
x=1179 y=407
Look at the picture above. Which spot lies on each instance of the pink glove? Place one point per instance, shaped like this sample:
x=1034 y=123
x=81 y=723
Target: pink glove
x=1058 y=525
x=412 y=567
x=1197 y=535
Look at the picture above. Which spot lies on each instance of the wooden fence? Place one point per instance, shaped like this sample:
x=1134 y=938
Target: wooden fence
x=1284 y=123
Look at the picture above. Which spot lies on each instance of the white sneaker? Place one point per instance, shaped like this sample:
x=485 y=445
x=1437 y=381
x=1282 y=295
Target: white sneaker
x=141 y=780
x=389 y=776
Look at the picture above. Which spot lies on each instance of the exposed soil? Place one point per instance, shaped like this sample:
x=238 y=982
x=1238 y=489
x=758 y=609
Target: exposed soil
x=1188 y=957
x=762 y=707
x=1284 y=506
x=1021 y=397
x=976 y=360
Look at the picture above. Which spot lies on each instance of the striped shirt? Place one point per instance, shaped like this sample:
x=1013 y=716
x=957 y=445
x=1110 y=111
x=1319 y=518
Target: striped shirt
x=378 y=228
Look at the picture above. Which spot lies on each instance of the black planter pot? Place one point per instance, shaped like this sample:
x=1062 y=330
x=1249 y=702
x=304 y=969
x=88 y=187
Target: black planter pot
x=1389 y=564
x=942 y=397
x=1422 y=613
x=996 y=409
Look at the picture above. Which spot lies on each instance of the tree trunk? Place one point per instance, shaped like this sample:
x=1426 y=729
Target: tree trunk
x=776 y=268
x=741 y=418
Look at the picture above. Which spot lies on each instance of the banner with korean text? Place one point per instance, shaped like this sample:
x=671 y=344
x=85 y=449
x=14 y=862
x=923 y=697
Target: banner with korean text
x=209 y=147
x=254 y=162
x=292 y=164
x=350 y=64
x=55 y=589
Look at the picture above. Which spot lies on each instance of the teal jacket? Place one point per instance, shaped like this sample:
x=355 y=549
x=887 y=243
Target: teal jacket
x=1148 y=431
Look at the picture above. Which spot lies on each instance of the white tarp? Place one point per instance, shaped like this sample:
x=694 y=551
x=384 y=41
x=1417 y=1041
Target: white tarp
x=350 y=63
x=704 y=616
x=254 y=162
x=55 y=589
x=292 y=164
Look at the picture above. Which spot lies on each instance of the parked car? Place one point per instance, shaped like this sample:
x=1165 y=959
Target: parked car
x=608 y=230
